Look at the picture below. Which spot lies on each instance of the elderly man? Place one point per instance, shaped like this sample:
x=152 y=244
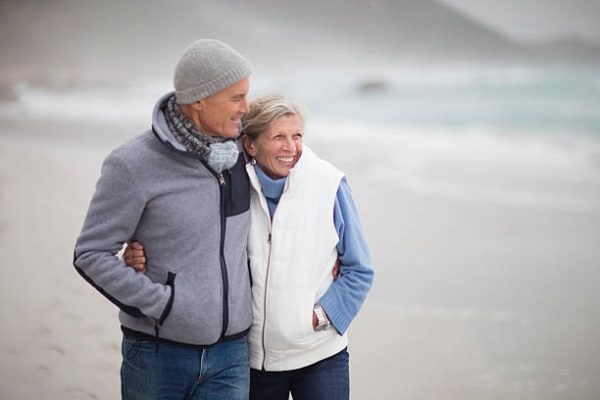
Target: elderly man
x=182 y=190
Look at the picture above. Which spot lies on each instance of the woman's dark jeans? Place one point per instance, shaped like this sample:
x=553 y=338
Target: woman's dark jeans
x=327 y=379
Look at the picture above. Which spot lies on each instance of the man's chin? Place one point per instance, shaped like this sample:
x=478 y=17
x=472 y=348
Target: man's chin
x=233 y=133
x=229 y=134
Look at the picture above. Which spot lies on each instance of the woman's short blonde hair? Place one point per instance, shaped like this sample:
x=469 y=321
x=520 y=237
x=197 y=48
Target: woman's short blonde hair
x=265 y=110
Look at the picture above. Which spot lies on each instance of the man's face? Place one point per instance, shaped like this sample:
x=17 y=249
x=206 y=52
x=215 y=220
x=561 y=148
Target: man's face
x=221 y=113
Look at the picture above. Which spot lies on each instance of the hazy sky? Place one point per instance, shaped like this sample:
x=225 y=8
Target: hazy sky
x=536 y=20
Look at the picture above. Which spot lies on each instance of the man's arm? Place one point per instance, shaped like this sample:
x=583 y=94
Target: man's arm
x=112 y=218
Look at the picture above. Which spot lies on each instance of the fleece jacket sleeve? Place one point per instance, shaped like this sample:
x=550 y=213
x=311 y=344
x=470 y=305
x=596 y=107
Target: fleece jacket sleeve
x=112 y=218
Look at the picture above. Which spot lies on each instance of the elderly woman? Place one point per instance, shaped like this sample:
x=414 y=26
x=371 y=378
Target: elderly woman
x=303 y=220
x=303 y=223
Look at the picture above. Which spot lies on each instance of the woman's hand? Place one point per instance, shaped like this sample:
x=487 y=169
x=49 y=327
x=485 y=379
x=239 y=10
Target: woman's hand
x=336 y=273
x=336 y=269
x=134 y=256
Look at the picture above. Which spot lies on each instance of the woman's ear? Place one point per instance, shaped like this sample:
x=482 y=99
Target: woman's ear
x=249 y=145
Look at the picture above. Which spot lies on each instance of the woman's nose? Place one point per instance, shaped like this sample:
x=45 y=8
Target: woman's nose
x=288 y=144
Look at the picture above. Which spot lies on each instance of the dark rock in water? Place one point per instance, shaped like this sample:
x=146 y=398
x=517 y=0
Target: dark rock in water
x=372 y=86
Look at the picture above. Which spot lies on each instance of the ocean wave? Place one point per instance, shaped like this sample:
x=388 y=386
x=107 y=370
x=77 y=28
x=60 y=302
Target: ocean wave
x=553 y=98
x=88 y=103
x=516 y=168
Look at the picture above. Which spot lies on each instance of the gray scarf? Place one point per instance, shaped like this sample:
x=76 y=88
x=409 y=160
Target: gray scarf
x=219 y=152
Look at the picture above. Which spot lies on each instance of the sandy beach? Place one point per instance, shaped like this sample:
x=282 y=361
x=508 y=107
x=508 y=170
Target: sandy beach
x=60 y=340
x=471 y=300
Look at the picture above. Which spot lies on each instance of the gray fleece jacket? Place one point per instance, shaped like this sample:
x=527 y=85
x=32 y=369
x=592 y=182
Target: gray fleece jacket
x=193 y=223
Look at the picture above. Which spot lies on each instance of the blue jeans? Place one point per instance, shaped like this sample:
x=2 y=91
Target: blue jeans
x=220 y=371
x=326 y=380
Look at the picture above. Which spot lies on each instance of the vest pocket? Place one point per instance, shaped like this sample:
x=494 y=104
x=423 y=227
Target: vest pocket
x=289 y=318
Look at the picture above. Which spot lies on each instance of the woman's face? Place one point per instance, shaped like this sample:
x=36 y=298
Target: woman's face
x=278 y=149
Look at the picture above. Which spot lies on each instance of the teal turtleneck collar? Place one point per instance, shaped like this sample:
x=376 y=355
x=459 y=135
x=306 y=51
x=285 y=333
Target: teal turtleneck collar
x=271 y=188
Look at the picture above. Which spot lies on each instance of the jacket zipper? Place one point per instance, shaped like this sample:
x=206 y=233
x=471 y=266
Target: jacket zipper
x=224 y=275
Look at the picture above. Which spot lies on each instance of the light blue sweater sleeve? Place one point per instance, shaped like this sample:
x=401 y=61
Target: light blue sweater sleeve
x=346 y=295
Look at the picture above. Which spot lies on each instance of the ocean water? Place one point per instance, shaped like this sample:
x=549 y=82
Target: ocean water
x=555 y=98
x=521 y=135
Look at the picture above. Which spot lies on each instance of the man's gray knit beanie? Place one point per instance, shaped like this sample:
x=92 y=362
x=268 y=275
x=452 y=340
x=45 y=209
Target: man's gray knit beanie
x=206 y=67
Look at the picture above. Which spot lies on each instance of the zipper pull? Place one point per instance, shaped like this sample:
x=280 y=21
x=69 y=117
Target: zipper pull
x=156 y=335
x=221 y=179
x=269 y=238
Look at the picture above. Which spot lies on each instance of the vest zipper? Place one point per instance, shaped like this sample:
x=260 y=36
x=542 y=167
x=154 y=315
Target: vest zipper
x=264 y=327
x=265 y=208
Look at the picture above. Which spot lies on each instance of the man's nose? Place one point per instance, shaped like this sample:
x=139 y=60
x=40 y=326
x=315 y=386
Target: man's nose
x=244 y=107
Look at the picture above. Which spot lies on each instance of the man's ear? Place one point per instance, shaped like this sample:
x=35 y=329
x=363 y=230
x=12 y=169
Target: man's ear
x=197 y=106
x=249 y=145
